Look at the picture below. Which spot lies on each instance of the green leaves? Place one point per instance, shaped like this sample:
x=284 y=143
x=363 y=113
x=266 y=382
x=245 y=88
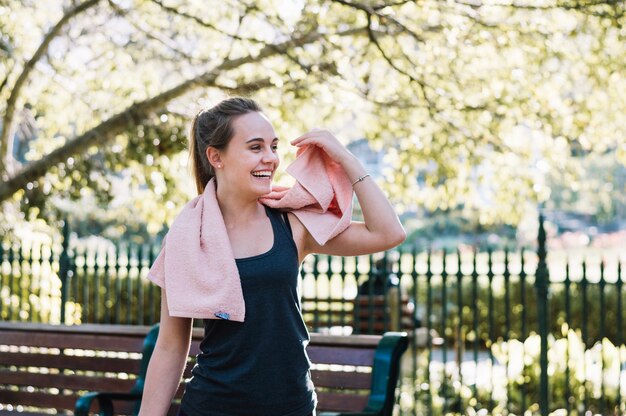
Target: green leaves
x=478 y=107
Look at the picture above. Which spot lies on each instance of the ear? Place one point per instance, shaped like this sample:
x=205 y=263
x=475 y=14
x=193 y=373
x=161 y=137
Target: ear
x=214 y=157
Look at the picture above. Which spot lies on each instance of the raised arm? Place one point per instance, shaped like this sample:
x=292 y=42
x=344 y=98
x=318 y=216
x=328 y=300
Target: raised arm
x=381 y=229
x=167 y=362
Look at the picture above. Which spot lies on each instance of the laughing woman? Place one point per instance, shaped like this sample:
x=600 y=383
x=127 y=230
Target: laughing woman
x=255 y=366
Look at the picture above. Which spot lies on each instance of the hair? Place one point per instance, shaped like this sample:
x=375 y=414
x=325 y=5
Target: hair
x=214 y=127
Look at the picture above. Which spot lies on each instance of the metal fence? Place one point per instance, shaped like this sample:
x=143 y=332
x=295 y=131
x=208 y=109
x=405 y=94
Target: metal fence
x=490 y=331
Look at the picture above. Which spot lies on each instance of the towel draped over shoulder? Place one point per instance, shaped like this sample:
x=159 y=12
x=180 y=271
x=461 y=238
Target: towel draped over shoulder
x=196 y=265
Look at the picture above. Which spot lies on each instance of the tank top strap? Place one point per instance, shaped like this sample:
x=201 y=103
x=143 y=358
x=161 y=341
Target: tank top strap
x=286 y=221
x=281 y=226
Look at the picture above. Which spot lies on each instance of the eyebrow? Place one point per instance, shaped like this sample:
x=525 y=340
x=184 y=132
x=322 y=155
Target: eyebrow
x=260 y=139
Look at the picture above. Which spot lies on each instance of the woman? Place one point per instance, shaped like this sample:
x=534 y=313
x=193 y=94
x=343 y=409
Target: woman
x=259 y=366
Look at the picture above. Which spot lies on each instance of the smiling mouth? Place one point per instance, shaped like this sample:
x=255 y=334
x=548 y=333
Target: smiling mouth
x=262 y=174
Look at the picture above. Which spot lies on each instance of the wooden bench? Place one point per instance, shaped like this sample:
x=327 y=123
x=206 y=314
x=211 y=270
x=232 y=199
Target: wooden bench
x=46 y=368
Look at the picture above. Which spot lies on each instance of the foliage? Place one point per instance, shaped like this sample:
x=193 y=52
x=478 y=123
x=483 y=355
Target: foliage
x=450 y=229
x=473 y=103
x=593 y=187
x=503 y=312
x=580 y=379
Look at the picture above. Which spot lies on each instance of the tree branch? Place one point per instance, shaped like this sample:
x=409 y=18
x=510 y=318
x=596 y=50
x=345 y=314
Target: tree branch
x=7 y=119
x=146 y=31
x=105 y=131
x=374 y=11
x=5 y=81
x=203 y=23
x=388 y=59
x=392 y=4
x=248 y=88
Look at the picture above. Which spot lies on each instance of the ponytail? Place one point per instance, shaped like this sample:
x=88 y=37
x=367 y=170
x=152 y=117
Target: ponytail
x=201 y=169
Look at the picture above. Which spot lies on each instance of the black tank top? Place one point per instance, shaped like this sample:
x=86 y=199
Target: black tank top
x=258 y=367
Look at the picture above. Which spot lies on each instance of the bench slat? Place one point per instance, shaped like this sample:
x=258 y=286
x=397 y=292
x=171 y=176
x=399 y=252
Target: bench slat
x=74 y=341
x=340 y=355
x=38 y=399
x=122 y=408
x=338 y=379
x=128 y=331
x=340 y=402
x=365 y=341
x=63 y=402
x=115 y=365
x=62 y=381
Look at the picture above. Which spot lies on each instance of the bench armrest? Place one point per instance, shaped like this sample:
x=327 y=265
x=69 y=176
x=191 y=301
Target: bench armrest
x=386 y=372
x=105 y=400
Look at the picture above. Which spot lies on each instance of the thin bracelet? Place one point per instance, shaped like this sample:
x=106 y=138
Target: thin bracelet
x=360 y=179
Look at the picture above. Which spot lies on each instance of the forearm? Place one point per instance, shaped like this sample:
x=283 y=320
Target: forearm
x=167 y=362
x=164 y=374
x=379 y=216
x=381 y=229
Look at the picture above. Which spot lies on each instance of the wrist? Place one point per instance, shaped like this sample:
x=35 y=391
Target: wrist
x=360 y=179
x=348 y=159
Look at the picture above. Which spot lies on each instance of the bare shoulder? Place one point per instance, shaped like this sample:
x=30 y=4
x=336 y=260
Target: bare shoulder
x=299 y=235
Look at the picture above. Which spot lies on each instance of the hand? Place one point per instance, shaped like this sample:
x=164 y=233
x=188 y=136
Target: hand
x=327 y=141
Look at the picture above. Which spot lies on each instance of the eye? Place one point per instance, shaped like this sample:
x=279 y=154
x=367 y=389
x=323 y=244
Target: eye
x=255 y=147
x=274 y=147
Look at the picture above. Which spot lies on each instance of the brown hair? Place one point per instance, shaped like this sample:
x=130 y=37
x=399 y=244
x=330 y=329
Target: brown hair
x=214 y=127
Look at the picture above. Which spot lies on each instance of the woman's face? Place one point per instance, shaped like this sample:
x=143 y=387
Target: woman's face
x=250 y=159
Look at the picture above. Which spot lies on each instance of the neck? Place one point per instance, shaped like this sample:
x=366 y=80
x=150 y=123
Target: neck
x=236 y=209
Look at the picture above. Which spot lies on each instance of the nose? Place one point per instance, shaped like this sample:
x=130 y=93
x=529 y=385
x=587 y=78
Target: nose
x=269 y=156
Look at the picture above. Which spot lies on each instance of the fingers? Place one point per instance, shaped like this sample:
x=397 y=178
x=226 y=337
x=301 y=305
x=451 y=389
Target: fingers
x=299 y=142
x=323 y=139
x=314 y=133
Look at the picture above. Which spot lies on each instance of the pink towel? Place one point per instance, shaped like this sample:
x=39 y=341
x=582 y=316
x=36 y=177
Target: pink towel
x=196 y=265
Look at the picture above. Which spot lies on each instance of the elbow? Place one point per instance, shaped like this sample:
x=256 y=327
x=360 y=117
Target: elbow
x=396 y=238
x=400 y=237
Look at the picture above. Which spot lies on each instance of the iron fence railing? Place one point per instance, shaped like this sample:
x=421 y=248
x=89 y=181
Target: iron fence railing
x=490 y=331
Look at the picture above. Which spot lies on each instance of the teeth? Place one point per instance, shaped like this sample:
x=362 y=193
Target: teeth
x=262 y=174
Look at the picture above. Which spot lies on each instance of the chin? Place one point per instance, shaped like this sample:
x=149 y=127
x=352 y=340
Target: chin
x=262 y=189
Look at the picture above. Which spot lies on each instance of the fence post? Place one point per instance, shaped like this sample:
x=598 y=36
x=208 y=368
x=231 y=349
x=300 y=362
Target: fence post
x=541 y=285
x=64 y=267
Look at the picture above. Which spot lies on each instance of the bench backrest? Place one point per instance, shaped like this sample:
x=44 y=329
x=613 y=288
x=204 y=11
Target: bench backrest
x=48 y=366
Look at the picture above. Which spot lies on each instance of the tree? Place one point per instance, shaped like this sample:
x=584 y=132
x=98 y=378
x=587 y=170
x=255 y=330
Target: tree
x=470 y=100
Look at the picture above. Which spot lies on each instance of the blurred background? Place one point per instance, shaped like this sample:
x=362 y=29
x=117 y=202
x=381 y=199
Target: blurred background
x=475 y=117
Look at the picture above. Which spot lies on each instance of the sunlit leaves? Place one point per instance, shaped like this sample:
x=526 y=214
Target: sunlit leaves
x=479 y=106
